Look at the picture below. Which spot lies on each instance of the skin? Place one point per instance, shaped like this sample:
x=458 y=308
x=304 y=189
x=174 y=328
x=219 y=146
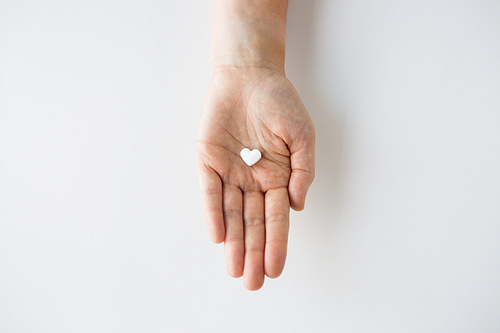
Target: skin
x=251 y=104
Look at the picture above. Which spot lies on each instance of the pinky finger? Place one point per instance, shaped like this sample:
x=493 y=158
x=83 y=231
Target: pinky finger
x=211 y=196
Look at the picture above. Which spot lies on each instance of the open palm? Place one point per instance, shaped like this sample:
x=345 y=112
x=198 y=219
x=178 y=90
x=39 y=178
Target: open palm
x=248 y=207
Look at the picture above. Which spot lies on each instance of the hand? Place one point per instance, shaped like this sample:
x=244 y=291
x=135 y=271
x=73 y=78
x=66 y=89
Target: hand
x=248 y=207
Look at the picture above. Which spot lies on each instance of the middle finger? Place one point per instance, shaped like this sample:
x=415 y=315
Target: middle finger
x=255 y=238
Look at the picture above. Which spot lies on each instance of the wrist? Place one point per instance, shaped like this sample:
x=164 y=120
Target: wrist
x=249 y=33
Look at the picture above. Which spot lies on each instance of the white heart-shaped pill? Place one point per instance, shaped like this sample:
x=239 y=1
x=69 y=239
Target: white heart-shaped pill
x=250 y=157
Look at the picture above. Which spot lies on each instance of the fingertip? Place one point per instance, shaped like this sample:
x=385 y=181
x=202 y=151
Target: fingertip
x=234 y=271
x=234 y=253
x=217 y=239
x=253 y=272
x=275 y=259
x=297 y=198
x=253 y=284
x=274 y=275
x=216 y=230
x=297 y=206
x=297 y=190
x=274 y=272
x=234 y=274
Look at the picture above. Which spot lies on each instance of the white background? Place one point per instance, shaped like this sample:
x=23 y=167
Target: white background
x=101 y=226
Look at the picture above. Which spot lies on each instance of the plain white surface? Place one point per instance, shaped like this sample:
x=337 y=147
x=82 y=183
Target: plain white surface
x=101 y=227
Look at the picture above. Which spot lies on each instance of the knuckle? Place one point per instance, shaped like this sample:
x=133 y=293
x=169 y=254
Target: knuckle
x=233 y=240
x=212 y=192
x=232 y=213
x=216 y=210
x=277 y=218
x=254 y=251
x=253 y=221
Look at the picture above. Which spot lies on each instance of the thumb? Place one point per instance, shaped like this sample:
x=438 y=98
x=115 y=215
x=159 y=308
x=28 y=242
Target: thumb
x=302 y=162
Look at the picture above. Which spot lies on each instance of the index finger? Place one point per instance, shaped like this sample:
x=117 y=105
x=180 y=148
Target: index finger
x=277 y=208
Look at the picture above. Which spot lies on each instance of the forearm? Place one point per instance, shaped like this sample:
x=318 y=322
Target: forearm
x=249 y=33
